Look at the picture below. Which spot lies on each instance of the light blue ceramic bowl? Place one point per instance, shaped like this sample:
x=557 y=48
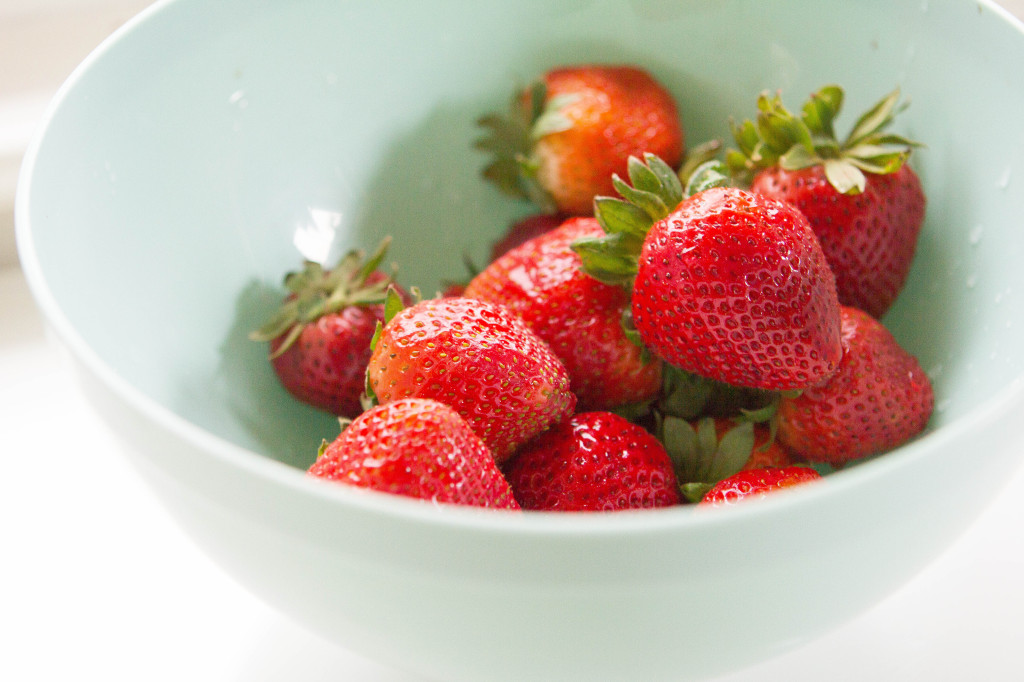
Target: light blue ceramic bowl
x=207 y=147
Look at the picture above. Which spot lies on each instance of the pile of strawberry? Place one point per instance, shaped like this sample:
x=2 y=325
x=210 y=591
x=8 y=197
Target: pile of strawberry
x=711 y=333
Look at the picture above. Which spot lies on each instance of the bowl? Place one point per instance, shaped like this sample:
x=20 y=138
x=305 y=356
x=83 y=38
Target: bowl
x=205 y=149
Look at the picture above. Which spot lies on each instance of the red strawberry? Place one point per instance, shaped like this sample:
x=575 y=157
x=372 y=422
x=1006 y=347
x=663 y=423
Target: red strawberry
x=878 y=399
x=480 y=359
x=578 y=316
x=863 y=201
x=726 y=284
x=734 y=286
x=417 y=448
x=571 y=131
x=320 y=337
x=757 y=483
x=595 y=461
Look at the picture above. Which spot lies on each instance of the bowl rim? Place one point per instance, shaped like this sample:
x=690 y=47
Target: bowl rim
x=1000 y=405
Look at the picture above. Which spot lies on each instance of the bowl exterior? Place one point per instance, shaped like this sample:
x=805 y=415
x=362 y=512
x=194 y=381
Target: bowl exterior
x=457 y=594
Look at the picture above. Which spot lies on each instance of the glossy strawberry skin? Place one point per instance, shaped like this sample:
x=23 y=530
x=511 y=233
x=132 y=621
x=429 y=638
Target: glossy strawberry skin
x=869 y=239
x=617 y=111
x=579 y=317
x=416 y=448
x=478 y=358
x=596 y=461
x=734 y=286
x=757 y=483
x=878 y=399
x=326 y=366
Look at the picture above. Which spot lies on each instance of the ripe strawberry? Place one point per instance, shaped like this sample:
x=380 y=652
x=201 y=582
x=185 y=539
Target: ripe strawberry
x=863 y=201
x=878 y=399
x=478 y=358
x=320 y=337
x=417 y=448
x=734 y=286
x=567 y=135
x=757 y=484
x=579 y=317
x=595 y=461
x=726 y=284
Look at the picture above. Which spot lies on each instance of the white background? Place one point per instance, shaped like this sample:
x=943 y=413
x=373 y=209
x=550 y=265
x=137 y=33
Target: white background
x=96 y=581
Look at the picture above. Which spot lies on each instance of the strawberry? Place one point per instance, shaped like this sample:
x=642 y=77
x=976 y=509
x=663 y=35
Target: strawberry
x=879 y=398
x=579 y=317
x=757 y=484
x=417 y=448
x=726 y=284
x=595 y=461
x=863 y=201
x=734 y=286
x=320 y=336
x=478 y=358
x=571 y=131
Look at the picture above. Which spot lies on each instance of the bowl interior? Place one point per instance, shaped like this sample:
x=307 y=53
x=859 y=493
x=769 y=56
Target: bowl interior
x=197 y=157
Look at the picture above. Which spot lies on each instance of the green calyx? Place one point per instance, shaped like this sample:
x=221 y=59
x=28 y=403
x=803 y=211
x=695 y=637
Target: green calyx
x=777 y=137
x=315 y=292
x=683 y=417
x=393 y=304
x=700 y=457
x=510 y=139
x=654 y=190
x=685 y=395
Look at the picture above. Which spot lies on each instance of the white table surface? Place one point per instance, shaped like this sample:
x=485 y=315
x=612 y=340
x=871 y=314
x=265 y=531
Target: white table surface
x=99 y=583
